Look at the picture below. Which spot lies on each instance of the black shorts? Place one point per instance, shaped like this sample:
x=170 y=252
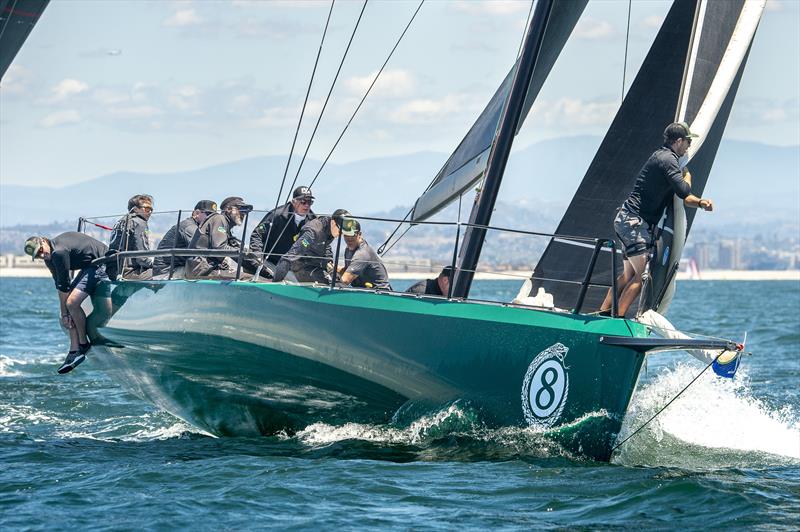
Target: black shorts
x=88 y=279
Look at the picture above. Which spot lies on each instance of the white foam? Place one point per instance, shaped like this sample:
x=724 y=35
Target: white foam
x=324 y=434
x=714 y=413
x=5 y=367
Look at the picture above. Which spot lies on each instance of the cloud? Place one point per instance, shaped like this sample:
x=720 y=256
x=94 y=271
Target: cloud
x=775 y=5
x=183 y=18
x=575 y=112
x=427 y=111
x=395 y=83
x=60 y=118
x=67 y=88
x=653 y=21
x=186 y=98
x=16 y=81
x=588 y=28
x=249 y=4
x=492 y=7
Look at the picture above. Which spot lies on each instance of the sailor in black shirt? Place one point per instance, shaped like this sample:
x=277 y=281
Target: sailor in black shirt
x=434 y=287
x=215 y=233
x=280 y=227
x=180 y=236
x=661 y=177
x=309 y=258
x=68 y=252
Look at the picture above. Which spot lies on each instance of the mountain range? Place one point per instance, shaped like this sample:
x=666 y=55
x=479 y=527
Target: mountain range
x=749 y=182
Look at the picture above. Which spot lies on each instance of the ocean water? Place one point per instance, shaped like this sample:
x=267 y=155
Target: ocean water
x=79 y=451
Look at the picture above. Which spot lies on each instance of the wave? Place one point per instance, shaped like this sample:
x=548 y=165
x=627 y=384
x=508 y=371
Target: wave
x=715 y=423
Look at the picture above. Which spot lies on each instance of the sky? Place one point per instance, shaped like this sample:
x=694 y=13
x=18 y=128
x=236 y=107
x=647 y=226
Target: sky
x=158 y=86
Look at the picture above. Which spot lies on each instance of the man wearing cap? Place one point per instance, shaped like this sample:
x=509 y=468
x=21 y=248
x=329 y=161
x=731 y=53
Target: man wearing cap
x=309 y=258
x=661 y=177
x=362 y=266
x=434 y=287
x=67 y=252
x=279 y=228
x=180 y=236
x=131 y=233
x=215 y=233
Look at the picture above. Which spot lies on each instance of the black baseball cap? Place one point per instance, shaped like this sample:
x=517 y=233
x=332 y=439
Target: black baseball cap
x=206 y=205
x=302 y=192
x=678 y=130
x=235 y=201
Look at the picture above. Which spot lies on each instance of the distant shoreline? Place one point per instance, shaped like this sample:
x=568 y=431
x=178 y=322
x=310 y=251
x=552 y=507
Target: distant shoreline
x=707 y=275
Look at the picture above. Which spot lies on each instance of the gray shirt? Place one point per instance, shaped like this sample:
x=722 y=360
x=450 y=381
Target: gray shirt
x=365 y=264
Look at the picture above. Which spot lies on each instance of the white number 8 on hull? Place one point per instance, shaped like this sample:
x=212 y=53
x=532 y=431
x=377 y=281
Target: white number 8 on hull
x=545 y=387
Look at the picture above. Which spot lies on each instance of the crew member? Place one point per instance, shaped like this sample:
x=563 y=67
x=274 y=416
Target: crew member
x=279 y=228
x=180 y=236
x=362 y=266
x=434 y=287
x=62 y=254
x=660 y=178
x=131 y=233
x=215 y=233
x=309 y=258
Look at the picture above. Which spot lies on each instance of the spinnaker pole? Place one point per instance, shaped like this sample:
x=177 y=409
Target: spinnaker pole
x=498 y=157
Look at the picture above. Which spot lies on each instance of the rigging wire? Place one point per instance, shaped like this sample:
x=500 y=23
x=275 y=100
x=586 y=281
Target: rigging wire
x=625 y=60
x=375 y=79
x=382 y=246
x=305 y=103
x=328 y=97
x=643 y=425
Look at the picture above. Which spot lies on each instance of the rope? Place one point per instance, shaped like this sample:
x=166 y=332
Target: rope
x=625 y=60
x=328 y=97
x=643 y=425
x=335 y=144
x=305 y=103
x=101 y=226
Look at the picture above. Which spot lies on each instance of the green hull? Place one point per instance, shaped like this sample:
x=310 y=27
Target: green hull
x=246 y=358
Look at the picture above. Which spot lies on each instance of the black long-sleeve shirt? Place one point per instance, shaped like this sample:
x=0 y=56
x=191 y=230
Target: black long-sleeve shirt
x=658 y=180
x=179 y=236
x=72 y=251
x=285 y=229
x=312 y=248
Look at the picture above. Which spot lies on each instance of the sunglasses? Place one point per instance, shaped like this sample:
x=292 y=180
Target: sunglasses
x=305 y=202
x=688 y=140
x=147 y=208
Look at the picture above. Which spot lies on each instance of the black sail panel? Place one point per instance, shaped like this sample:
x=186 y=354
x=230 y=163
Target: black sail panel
x=468 y=162
x=17 y=19
x=635 y=132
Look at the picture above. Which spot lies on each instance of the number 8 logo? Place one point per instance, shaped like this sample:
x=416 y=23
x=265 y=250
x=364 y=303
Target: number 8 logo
x=545 y=387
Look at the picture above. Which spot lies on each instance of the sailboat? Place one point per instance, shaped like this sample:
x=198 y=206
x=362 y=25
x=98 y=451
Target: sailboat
x=233 y=358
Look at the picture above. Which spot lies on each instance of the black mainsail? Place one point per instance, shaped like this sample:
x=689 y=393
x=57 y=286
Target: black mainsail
x=691 y=73
x=17 y=19
x=468 y=162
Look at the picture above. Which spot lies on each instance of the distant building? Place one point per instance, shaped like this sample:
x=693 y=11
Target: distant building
x=729 y=256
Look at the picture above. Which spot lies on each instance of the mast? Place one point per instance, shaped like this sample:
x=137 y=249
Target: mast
x=482 y=210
